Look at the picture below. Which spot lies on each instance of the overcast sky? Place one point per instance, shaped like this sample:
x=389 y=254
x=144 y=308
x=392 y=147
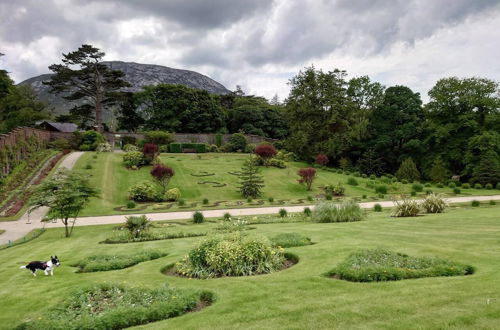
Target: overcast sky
x=260 y=44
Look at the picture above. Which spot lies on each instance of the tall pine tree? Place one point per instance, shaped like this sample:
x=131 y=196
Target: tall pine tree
x=251 y=182
x=83 y=76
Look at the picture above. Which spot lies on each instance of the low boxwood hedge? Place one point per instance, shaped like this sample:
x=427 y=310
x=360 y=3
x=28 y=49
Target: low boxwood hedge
x=105 y=262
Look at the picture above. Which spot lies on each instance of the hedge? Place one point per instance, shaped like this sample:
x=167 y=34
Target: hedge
x=179 y=147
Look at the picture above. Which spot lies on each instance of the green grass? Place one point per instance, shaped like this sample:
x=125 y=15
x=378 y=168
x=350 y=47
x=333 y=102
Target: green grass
x=299 y=297
x=113 y=179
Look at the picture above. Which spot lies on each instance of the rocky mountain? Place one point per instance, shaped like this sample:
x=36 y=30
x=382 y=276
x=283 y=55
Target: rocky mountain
x=138 y=75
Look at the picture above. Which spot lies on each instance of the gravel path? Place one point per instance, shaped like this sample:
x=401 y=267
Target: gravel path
x=18 y=229
x=15 y=230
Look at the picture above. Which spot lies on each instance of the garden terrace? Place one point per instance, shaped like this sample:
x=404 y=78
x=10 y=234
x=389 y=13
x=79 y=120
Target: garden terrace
x=297 y=297
x=215 y=176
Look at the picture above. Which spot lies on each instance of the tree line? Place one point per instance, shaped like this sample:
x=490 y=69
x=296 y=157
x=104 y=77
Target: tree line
x=357 y=123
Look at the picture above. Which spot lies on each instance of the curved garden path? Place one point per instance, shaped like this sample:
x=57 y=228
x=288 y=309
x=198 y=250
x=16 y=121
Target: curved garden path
x=17 y=229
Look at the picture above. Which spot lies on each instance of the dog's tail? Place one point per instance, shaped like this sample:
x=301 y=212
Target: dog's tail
x=22 y=267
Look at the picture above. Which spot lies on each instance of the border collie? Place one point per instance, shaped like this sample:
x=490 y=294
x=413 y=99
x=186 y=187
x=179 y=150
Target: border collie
x=45 y=266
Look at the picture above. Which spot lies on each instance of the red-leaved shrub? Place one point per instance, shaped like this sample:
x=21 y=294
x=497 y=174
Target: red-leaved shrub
x=265 y=151
x=307 y=176
x=322 y=159
x=150 y=151
x=162 y=175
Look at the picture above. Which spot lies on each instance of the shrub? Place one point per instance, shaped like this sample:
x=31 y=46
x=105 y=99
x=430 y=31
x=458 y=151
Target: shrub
x=337 y=190
x=130 y=205
x=198 y=217
x=488 y=186
x=408 y=171
x=404 y=181
x=158 y=137
x=283 y=213
x=492 y=202
x=106 y=262
x=218 y=139
x=104 y=147
x=137 y=225
x=250 y=148
x=344 y=212
x=110 y=306
x=417 y=187
x=181 y=202
x=452 y=185
x=352 y=181
x=213 y=148
x=382 y=265
x=205 y=201
x=231 y=255
x=440 y=185
x=265 y=151
x=381 y=189
x=322 y=159
x=88 y=166
x=307 y=211
x=251 y=181
x=287 y=240
x=428 y=185
x=478 y=186
x=227 y=216
x=364 y=196
x=475 y=203
x=456 y=191
x=377 y=208
x=162 y=175
x=310 y=198
x=150 y=152
x=328 y=197
x=271 y=200
x=130 y=147
x=466 y=186
x=438 y=171
x=237 y=141
x=173 y=195
x=373 y=176
x=434 y=203
x=89 y=140
x=142 y=192
x=307 y=176
x=133 y=158
x=413 y=193
x=279 y=163
x=405 y=208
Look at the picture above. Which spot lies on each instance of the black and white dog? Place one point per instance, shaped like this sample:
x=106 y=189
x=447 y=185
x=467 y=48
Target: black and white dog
x=45 y=266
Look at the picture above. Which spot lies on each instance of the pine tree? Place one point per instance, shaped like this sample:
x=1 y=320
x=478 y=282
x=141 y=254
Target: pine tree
x=408 y=171
x=83 y=76
x=488 y=169
x=439 y=172
x=251 y=182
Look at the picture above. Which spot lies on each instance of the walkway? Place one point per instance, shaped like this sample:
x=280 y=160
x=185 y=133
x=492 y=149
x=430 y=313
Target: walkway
x=17 y=229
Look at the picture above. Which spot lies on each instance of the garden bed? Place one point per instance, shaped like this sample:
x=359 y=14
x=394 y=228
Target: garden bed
x=377 y=265
x=123 y=237
x=110 y=306
x=106 y=262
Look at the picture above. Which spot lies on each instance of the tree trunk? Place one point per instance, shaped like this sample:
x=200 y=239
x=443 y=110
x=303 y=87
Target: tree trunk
x=66 y=230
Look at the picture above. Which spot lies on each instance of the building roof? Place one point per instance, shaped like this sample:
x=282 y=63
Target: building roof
x=62 y=127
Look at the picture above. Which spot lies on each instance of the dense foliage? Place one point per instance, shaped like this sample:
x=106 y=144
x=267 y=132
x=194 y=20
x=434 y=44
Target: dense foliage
x=346 y=211
x=251 y=181
x=231 y=255
x=162 y=175
x=382 y=265
x=111 y=306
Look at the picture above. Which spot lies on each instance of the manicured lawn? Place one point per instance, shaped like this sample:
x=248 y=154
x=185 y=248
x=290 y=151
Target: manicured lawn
x=113 y=179
x=300 y=297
